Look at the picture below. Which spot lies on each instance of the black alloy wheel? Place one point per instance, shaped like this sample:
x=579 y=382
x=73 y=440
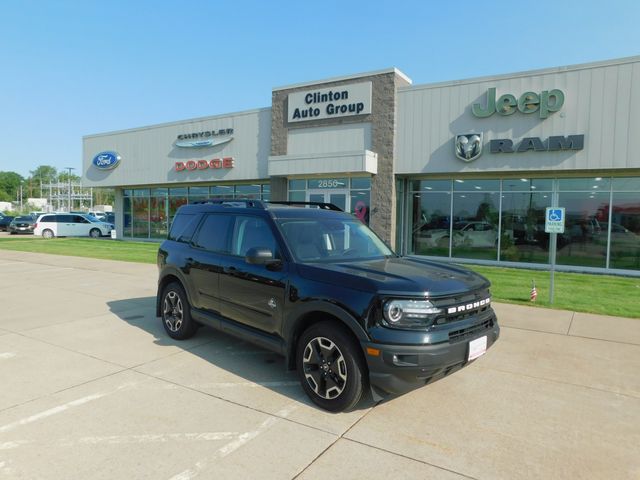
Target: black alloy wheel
x=330 y=366
x=176 y=313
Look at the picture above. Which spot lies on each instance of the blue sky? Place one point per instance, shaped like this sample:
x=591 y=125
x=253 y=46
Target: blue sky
x=73 y=68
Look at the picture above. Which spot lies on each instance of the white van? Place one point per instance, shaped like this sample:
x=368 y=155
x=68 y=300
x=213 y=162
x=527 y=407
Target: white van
x=70 y=225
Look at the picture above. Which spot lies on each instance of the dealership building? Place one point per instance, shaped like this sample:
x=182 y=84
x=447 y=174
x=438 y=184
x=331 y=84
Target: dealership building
x=461 y=170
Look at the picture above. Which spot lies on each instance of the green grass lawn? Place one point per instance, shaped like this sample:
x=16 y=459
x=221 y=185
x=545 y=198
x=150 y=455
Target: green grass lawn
x=605 y=294
x=141 y=252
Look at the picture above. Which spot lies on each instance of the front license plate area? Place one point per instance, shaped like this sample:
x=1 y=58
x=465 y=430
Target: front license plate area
x=477 y=348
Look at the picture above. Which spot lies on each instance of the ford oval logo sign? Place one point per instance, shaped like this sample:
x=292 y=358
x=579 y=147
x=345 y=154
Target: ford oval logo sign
x=106 y=160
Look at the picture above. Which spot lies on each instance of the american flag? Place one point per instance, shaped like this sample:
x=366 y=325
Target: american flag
x=534 y=292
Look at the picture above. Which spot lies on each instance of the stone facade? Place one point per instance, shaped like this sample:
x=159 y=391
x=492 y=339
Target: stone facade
x=383 y=126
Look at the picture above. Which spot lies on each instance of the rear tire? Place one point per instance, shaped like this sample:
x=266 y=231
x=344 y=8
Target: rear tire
x=47 y=234
x=176 y=313
x=330 y=366
x=94 y=233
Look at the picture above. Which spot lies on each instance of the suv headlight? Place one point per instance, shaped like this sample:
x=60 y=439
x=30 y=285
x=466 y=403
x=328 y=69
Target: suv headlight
x=409 y=313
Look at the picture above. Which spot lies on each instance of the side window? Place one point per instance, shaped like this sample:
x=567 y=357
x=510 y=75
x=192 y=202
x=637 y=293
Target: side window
x=48 y=218
x=250 y=232
x=64 y=218
x=214 y=233
x=183 y=227
x=79 y=219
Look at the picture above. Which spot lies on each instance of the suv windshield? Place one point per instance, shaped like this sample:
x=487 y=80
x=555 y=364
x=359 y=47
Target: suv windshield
x=331 y=240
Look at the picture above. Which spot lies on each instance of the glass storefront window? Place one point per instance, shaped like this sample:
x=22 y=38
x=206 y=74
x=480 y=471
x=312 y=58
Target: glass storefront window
x=599 y=184
x=361 y=183
x=158 y=218
x=198 y=194
x=126 y=216
x=430 y=230
x=178 y=192
x=626 y=184
x=324 y=183
x=527 y=185
x=361 y=204
x=475 y=225
x=141 y=192
x=475 y=185
x=625 y=229
x=297 y=196
x=140 y=216
x=297 y=184
x=584 y=241
x=523 y=238
x=222 y=191
x=431 y=185
x=248 y=191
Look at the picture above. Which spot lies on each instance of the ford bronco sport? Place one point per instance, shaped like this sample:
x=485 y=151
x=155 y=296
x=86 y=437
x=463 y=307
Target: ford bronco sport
x=319 y=287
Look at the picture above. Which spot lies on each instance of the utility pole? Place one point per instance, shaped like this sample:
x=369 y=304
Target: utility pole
x=69 y=168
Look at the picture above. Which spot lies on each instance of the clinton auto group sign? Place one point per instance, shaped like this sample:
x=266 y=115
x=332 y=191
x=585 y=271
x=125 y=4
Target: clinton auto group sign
x=335 y=102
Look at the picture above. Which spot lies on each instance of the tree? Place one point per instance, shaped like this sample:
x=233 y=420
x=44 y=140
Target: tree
x=10 y=184
x=42 y=174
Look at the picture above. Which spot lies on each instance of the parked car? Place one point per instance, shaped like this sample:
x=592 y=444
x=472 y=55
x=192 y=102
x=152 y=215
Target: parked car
x=319 y=287
x=70 y=225
x=477 y=234
x=22 y=224
x=5 y=220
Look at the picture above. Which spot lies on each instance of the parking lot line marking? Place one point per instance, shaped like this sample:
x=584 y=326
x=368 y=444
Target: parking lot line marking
x=154 y=438
x=234 y=445
x=6 y=355
x=59 y=409
x=10 y=445
x=50 y=412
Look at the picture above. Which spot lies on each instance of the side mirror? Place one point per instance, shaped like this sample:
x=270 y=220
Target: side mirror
x=260 y=256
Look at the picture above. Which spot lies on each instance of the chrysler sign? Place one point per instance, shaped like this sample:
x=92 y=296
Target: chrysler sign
x=335 y=102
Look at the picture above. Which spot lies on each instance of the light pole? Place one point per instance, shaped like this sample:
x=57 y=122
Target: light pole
x=69 y=168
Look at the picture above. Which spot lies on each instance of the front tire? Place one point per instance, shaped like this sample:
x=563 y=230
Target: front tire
x=176 y=313
x=94 y=233
x=330 y=366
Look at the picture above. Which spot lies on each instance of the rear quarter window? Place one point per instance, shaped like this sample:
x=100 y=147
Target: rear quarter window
x=183 y=227
x=48 y=218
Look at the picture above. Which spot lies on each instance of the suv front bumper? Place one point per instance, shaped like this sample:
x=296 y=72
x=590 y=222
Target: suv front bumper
x=400 y=368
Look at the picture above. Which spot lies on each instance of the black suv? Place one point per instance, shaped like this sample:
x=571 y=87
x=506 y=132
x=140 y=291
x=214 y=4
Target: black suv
x=318 y=286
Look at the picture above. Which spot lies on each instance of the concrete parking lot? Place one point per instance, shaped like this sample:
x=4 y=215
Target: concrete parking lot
x=91 y=387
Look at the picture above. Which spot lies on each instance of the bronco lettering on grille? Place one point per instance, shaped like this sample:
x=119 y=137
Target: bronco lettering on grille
x=469 y=306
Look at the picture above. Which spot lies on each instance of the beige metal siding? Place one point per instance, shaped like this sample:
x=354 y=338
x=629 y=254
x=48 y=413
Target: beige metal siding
x=149 y=154
x=602 y=102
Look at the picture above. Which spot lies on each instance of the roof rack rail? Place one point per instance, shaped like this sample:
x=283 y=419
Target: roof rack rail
x=321 y=205
x=232 y=202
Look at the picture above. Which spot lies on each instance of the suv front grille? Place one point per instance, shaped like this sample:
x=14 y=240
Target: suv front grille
x=452 y=305
x=457 y=335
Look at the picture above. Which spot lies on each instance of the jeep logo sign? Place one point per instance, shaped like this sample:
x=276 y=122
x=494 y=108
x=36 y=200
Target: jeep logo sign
x=545 y=102
x=106 y=160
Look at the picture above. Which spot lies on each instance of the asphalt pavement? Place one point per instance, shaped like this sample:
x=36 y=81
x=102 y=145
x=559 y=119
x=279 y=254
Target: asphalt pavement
x=91 y=387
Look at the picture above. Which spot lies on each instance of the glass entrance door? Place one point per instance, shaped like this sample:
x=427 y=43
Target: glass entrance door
x=339 y=197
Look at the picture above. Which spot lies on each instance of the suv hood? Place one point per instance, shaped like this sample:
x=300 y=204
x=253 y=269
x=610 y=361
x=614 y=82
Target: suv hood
x=397 y=275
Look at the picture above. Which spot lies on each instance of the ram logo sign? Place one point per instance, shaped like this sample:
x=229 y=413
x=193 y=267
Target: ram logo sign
x=106 y=160
x=468 y=146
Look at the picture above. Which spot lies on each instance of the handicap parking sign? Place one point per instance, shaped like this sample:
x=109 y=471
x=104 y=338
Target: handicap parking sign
x=554 y=220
